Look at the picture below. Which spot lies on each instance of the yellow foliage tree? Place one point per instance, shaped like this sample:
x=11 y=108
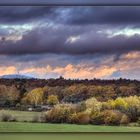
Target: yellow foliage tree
x=111 y=104
x=133 y=107
x=35 y=97
x=120 y=103
x=52 y=100
x=93 y=105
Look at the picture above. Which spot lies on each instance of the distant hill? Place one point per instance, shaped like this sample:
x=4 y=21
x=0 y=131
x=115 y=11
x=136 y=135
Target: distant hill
x=16 y=76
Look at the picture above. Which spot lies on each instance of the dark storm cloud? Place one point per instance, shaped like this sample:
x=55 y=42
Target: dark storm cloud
x=82 y=38
x=68 y=24
x=103 y=15
x=24 y=14
x=58 y=41
x=71 y=15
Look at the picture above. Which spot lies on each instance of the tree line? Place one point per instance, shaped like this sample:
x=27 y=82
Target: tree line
x=37 y=91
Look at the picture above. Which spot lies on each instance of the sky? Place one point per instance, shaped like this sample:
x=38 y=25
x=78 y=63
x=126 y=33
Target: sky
x=77 y=42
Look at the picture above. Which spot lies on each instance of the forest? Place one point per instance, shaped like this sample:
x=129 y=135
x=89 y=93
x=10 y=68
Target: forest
x=111 y=102
x=15 y=91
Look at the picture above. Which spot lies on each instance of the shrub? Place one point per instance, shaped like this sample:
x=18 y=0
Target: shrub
x=80 y=118
x=80 y=107
x=6 y=117
x=93 y=104
x=120 y=104
x=59 y=114
x=105 y=106
x=110 y=104
x=111 y=117
x=73 y=118
x=52 y=100
x=124 y=120
x=128 y=105
x=133 y=110
x=46 y=117
x=18 y=105
x=138 y=121
x=96 y=118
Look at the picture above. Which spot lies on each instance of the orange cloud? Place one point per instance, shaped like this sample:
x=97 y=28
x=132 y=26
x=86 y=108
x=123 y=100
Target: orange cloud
x=128 y=64
x=71 y=71
x=82 y=72
x=37 y=71
x=7 y=70
x=132 y=55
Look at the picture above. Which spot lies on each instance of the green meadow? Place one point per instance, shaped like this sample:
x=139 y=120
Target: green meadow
x=46 y=127
x=23 y=125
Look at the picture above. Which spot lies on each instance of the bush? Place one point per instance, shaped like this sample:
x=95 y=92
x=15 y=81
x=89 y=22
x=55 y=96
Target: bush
x=73 y=118
x=93 y=104
x=124 y=120
x=96 y=118
x=45 y=117
x=128 y=105
x=105 y=106
x=120 y=104
x=138 y=121
x=52 y=100
x=133 y=109
x=18 y=105
x=59 y=114
x=112 y=117
x=6 y=117
x=79 y=118
x=80 y=107
x=110 y=104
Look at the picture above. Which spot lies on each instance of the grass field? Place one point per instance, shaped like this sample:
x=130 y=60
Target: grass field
x=46 y=127
x=21 y=115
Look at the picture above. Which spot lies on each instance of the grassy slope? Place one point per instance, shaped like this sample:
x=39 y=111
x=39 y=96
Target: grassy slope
x=44 y=127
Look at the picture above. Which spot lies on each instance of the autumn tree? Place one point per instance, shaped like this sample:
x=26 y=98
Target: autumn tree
x=93 y=105
x=8 y=94
x=52 y=100
x=35 y=97
x=120 y=104
x=133 y=109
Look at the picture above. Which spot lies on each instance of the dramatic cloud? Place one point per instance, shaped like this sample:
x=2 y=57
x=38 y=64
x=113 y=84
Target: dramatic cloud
x=70 y=40
x=127 y=66
x=71 y=15
x=23 y=14
x=75 y=42
x=8 y=70
x=103 y=15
